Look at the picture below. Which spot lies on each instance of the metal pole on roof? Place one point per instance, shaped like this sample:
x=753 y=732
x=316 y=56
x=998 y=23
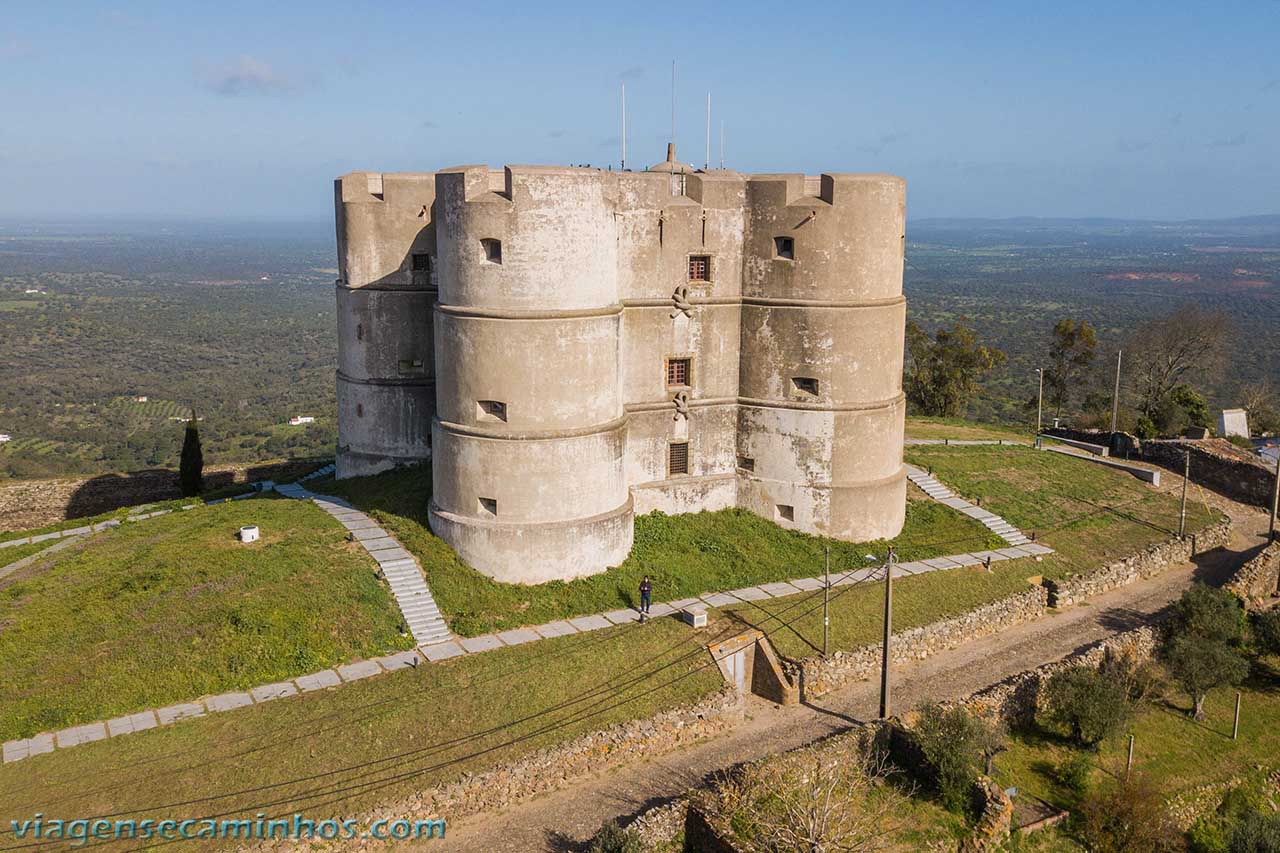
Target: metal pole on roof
x=624 y=127
x=706 y=164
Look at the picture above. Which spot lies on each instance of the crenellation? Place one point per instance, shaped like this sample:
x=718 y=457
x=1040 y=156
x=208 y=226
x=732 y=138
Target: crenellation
x=604 y=343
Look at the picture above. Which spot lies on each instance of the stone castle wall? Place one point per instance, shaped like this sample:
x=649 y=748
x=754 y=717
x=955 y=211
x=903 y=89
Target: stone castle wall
x=517 y=327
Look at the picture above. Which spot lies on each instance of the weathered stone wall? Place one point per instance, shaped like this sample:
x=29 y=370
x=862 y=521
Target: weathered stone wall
x=1219 y=465
x=995 y=817
x=27 y=504
x=1257 y=580
x=1146 y=563
x=818 y=676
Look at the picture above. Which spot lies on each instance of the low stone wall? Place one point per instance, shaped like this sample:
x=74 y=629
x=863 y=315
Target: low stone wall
x=1119 y=444
x=550 y=769
x=1255 y=582
x=995 y=817
x=1219 y=465
x=817 y=676
x=27 y=504
x=1146 y=563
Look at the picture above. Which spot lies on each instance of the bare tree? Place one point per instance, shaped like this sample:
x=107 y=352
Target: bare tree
x=815 y=801
x=1259 y=400
x=1188 y=342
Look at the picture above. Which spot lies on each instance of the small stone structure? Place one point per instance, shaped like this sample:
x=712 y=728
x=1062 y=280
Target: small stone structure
x=1233 y=422
x=1257 y=581
x=574 y=346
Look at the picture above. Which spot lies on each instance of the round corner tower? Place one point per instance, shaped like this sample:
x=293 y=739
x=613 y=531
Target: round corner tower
x=385 y=290
x=821 y=407
x=530 y=432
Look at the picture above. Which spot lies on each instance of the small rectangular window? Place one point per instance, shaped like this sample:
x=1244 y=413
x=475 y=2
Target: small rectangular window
x=679 y=372
x=488 y=506
x=491 y=410
x=699 y=268
x=678 y=458
x=785 y=248
x=746 y=463
x=411 y=367
x=785 y=512
x=421 y=262
x=805 y=386
x=492 y=250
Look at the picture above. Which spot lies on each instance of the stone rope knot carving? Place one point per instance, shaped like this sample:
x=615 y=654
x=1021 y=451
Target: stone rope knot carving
x=680 y=298
x=681 y=399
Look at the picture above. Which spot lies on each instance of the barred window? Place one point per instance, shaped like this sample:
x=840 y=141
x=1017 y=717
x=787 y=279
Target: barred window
x=679 y=372
x=678 y=458
x=421 y=262
x=699 y=268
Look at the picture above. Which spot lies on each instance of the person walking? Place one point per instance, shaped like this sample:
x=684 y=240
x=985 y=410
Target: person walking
x=646 y=589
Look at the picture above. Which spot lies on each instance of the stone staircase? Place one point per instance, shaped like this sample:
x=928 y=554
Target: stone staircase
x=400 y=568
x=940 y=493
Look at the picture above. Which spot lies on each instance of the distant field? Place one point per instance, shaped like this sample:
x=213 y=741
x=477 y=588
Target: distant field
x=175 y=607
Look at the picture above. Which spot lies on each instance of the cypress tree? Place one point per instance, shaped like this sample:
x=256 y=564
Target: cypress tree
x=191 y=465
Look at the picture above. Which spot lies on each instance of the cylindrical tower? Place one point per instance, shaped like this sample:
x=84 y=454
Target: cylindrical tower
x=385 y=291
x=529 y=436
x=821 y=406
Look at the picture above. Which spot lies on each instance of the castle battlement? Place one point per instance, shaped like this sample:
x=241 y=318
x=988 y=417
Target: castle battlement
x=571 y=346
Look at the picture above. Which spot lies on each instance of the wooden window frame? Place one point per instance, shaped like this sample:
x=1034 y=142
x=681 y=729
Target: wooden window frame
x=706 y=259
x=688 y=371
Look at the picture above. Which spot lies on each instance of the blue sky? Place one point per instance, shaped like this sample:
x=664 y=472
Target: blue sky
x=213 y=110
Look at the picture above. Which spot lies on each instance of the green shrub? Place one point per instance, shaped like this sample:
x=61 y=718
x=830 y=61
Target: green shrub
x=1088 y=705
x=614 y=839
x=1208 y=613
x=1073 y=773
x=956 y=745
x=1257 y=833
x=1201 y=647
x=1127 y=816
x=1240 y=441
x=1145 y=428
x=1266 y=632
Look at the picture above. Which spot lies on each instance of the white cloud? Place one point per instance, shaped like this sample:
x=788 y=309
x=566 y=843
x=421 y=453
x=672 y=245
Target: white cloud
x=246 y=75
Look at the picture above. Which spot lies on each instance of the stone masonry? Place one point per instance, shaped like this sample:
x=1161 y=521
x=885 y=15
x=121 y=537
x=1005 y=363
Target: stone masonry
x=573 y=346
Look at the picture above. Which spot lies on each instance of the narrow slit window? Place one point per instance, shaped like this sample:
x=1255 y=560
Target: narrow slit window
x=492 y=250
x=699 y=268
x=359 y=410
x=746 y=463
x=491 y=410
x=359 y=331
x=420 y=265
x=805 y=386
x=785 y=512
x=678 y=458
x=679 y=372
x=489 y=507
x=784 y=248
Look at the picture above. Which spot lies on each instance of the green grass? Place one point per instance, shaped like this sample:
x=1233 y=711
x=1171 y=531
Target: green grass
x=1088 y=513
x=123 y=512
x=175 y=607
x=684 y=555
x=14 y=553
x=342 y=752
x=1177 y=752
x=955 y=428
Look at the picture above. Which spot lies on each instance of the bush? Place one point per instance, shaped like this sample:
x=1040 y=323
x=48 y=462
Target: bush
x=1208 y=613
x=1201 y=646
x=1127 y=816
x=1257 y=833
x=1145 y=428
x=1212 y=832
x=1266 y=632
x=1088 y=705
x=956 y=745
x=614 y=839
x=1241 y=442
x=1073 y=773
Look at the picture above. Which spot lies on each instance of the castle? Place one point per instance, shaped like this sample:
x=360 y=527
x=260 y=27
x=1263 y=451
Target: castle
x=574 y=346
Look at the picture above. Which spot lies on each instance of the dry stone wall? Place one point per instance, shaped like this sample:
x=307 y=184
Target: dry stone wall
x=1219 y=465
x=1256 y=581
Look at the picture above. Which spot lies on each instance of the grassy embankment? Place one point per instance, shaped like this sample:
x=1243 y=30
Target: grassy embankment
x=960 y=430
x=684 y=555
x=175 y=607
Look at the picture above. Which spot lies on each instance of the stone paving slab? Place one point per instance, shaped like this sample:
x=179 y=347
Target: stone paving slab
x=181 y=711
x=77 y=735
x=517 y=636
x=15 y=750
x=442 y=651
x=279 y=690
x=1015 y=552
x=482 y=643
x=941 y=563
x=750 y=593
x=779 y=589
x=377 y=542
x=39 y=744
x=955 y=503
x=903 y=570
x=390 y=555
x=720 y=599
x=359 y=670
x=318 y=680
x=662 y=608
x=995 y=556
x=367 y=524
x=555 y=629
x=369 y=532
x=965 y=559
x=590 y=623
x=228 y=701
x=619 y=617
x=681 y=603
x=402 y=660
x=809 y=584
x=857 y=576
x=1036 y=548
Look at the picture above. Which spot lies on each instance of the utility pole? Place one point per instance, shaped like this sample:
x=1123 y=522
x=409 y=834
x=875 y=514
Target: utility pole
x=826 y=602
x=1275 y=502
x=624 y=127
x=888 y=630
x=1235 y=727
x=1115 y=395
x=1039 y=400
x=1182 y=520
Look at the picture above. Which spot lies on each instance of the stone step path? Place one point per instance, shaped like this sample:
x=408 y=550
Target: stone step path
x=321 y=472
x=940 y=493
x=397 y=565
x=404 y=575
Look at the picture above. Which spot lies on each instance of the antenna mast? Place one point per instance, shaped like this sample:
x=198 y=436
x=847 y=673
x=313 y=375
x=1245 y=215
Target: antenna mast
x=706 y=164
x=624 y=127
x=721 y=143
x=673 y=102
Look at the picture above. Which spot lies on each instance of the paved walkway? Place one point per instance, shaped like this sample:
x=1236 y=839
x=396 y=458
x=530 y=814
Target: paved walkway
x=436 y=642
x=942 y=494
